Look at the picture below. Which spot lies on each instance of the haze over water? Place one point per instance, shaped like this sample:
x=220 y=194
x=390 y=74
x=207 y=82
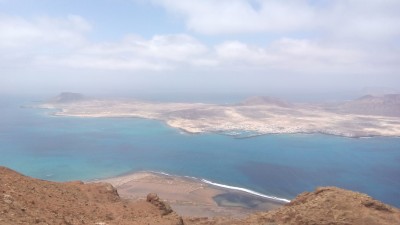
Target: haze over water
x=63 y=148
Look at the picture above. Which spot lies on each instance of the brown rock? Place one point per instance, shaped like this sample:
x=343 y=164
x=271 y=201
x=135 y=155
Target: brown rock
x=333 y=206
x=24 y=200
x=164 y=207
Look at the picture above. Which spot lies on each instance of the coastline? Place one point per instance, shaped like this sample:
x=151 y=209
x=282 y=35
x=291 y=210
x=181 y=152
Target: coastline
x=252 y=117
x=190 y=196
x=226 y=132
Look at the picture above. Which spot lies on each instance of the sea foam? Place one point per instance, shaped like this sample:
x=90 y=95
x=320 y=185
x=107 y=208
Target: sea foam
x=228 y=187
x=245 y=190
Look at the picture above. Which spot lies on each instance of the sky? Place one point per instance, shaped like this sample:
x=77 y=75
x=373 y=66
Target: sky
x=268 y=47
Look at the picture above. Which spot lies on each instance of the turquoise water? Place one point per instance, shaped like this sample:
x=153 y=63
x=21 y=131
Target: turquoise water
x=62 y=148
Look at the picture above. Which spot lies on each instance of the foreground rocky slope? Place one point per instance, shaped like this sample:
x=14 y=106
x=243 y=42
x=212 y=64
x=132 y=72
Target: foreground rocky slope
x=24 y=200
x=331 y=205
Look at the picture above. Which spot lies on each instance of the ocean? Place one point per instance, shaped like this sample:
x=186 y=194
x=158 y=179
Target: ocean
x=64 y=148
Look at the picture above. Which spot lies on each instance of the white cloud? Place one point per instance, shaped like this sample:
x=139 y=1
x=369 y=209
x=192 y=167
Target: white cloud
x=22 y=33
x=357 y=19
x=290 y=55
x=373 y=20
x=63 y=43
x=102 y=63
x=239 y=16
x=161 y=52
x=48 y=41
x=178 y=47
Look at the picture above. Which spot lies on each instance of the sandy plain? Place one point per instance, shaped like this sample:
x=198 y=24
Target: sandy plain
x=189 y=196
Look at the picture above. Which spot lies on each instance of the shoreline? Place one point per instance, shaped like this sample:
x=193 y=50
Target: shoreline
x=246 y=191
x=244 y=120
x=61 y=113
x=229 y=187
x=191 y=196
x=225 y=132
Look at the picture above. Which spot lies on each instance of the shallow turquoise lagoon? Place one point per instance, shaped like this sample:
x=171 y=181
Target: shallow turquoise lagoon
x=62 y=148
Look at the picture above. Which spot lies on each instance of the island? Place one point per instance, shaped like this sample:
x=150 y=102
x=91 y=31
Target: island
x=363 y=117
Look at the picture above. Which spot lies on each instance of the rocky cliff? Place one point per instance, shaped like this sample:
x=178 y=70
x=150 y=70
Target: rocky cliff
x=24 y=200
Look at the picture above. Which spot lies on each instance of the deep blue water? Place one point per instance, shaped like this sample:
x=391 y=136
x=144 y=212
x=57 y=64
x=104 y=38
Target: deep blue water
x=62 y=148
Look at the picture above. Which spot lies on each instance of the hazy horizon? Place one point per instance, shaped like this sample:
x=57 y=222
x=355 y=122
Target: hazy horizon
x=296 y=50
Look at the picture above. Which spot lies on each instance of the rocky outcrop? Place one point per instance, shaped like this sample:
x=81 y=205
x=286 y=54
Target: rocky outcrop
x=164 y=207
x=333 y=206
